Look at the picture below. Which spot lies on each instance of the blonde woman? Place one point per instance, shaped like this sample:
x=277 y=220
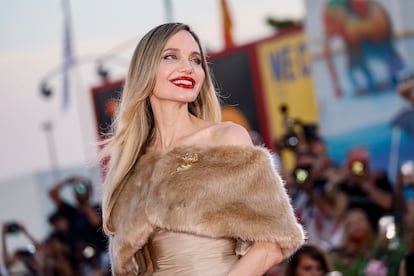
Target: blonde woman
x=185 y=194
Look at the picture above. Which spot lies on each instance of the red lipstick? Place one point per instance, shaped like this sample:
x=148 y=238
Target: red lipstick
x=184 y=82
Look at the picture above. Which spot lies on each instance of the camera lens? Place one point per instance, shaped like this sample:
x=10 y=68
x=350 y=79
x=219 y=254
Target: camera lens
x=12 y=228
x=358 y=168
x=80 y=188
x=301 y=175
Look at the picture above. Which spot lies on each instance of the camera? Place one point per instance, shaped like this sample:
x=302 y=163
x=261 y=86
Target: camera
x=12 y=227
x=24 y=253
x=81 y=188
x=290 y=140
x=358 y=168
x=302 y=174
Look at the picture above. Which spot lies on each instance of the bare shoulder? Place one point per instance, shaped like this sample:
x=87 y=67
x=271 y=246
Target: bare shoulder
x=228 y=133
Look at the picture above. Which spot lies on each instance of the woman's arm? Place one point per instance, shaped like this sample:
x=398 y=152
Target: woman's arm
x=259 y=259
x=262 y=255
x=55 y=190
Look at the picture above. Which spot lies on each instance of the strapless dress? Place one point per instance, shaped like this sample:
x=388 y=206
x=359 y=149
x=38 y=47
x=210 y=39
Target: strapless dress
x=183 y=254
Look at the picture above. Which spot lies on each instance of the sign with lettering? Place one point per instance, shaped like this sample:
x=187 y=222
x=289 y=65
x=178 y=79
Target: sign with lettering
x=287 y=83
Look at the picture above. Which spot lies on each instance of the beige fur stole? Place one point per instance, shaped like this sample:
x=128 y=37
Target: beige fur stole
x=224 y=191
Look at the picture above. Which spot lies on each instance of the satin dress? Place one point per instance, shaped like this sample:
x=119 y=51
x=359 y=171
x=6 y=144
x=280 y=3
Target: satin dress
x=184 y=254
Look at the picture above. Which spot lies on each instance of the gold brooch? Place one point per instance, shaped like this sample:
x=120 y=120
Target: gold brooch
x=187 y=161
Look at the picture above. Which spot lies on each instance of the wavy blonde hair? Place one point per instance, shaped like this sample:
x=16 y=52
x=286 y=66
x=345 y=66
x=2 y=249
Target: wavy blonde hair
x=133 y=126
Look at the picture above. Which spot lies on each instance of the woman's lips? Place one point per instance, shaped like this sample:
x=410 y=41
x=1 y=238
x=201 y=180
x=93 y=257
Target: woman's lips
x=184 y=82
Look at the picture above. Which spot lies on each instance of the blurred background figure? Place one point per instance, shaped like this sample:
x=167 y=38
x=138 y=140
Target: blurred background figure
x=367 y=251
x=87 y=241
x=365 y=189
x=61 y=258
x=309 y=260
x=58 y=259
x=314 y=201
x=23 y=261
x=358 y=237
x=318 y=147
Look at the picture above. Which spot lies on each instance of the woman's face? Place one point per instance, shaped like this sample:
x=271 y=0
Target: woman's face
x=180 y=74
x=358 y=226
x=309 y=267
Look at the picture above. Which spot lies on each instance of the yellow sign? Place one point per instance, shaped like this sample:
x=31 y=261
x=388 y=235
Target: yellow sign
x=286 y=79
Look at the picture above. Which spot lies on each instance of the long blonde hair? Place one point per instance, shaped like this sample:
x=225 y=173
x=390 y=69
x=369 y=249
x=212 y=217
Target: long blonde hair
x=133 y=126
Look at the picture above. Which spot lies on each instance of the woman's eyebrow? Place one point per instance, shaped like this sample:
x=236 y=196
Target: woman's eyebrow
x=170 y=49
x=177 y=50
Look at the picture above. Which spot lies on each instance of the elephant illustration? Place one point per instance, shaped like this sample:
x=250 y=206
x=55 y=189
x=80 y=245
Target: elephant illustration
x=366 y=31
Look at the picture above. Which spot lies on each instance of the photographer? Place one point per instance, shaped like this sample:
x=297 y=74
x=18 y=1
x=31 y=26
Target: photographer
x=364 y=189
x=22 y=261
x=313 y=201
x=84 y=221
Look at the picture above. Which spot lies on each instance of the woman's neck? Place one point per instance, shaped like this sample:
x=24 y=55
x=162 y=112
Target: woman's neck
x=171 y=125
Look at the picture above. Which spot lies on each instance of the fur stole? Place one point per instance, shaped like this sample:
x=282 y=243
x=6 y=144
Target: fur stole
x=223 y=191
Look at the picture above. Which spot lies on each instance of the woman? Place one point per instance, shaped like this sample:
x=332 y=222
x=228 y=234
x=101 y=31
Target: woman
x=358 y=237
x=309 y=260
x=183 y=191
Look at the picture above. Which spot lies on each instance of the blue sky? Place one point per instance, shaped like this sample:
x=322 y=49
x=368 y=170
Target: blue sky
x=31 y=48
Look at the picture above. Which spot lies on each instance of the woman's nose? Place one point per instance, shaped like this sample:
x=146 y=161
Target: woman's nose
x=186 y=66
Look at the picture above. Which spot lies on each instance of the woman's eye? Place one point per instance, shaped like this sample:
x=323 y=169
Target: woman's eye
x=169 y=57
x=196 y=60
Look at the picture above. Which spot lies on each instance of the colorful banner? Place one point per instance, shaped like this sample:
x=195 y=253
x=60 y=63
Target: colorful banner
x=359 y=49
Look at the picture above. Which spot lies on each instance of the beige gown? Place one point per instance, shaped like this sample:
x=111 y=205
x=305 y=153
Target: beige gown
x=184 y=254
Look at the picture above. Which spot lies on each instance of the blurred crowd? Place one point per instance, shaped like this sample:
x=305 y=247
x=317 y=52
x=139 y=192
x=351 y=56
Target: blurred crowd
x=75 y=245
x=358 y=221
